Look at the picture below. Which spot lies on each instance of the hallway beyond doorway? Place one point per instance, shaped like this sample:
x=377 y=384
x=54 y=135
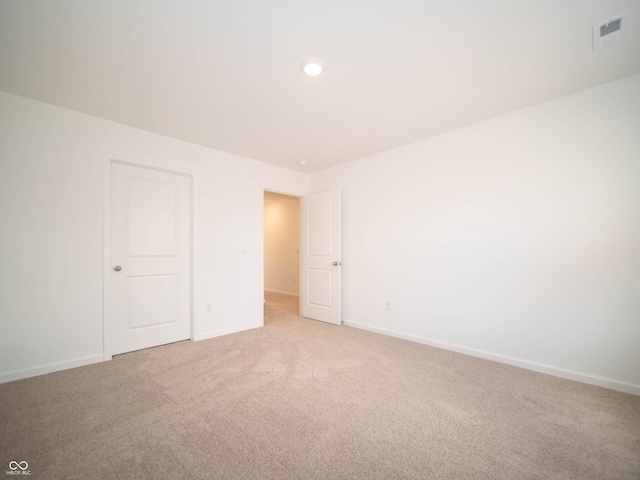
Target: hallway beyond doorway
x=280 y=307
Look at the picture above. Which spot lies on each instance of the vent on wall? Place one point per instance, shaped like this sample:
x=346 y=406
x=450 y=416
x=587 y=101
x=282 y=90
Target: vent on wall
x=608 y=33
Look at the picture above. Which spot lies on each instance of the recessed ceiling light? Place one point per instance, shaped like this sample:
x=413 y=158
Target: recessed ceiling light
x=312 y=67
x=302 y=163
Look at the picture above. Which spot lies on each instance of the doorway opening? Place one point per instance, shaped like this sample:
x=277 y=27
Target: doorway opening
x=281 y=252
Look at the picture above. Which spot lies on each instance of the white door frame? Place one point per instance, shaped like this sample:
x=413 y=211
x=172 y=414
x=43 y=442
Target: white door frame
x=107 y=159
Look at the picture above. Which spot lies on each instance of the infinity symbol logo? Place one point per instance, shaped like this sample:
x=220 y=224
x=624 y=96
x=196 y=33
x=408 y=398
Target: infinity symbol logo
x=13 y=465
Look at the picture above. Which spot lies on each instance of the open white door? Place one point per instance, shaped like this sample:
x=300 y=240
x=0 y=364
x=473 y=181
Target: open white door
x=150 y=224
x=321 y=258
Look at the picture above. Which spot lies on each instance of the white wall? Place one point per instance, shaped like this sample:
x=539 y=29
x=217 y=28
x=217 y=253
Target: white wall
x=281 y=243
x=51 y=201
x=517 y=239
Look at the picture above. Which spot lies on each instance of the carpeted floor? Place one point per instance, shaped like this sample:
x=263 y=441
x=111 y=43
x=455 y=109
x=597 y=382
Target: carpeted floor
x=300 y=399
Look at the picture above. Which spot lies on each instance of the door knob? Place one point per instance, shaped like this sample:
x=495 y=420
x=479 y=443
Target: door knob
x=117 y=268
x=335 y=264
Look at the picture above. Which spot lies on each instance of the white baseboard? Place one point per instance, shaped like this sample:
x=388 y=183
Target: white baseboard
x=516 y=362
x=227 y=331
x=49 y=368
x=81 y=362
x=281 y=292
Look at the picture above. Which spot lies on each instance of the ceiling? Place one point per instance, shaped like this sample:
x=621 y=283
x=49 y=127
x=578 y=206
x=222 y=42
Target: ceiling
x=225 y=74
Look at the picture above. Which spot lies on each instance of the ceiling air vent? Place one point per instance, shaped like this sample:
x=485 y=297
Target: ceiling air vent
x=608 y=33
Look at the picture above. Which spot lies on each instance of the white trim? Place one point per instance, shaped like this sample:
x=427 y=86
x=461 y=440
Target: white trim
x=108 y=158
x=49 y=368
x=282 y=293
x=261 y=259
x=227 y=331
x=516 y=362
x=106 y=255
x=145 y=162
x=281 y=192
x=195 y=253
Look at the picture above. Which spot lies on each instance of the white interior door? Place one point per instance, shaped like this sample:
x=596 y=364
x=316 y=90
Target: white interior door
x=320 y=244
x=150 y=258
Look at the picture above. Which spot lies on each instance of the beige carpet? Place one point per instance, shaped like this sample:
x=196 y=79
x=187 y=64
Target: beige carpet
x=300 y=399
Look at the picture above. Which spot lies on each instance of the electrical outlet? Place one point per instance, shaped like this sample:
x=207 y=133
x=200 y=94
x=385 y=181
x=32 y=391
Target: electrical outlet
x=208 y=308
x=387 y=306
